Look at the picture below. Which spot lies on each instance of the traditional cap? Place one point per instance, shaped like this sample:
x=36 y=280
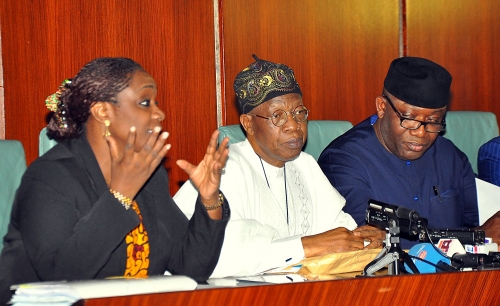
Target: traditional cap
x=419 y=82
x=262 y=81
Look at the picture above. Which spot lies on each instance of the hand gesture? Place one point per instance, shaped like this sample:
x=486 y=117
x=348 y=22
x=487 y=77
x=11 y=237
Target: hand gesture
x=206 y=176
x=130 y=169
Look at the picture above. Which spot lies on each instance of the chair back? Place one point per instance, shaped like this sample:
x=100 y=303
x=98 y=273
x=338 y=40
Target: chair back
x=469 y=130
x=320 y=134
x=44 y=143
x=235 y=132
x=12 y=167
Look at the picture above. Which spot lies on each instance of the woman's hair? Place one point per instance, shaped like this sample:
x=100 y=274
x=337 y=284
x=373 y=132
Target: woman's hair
x=98 y=81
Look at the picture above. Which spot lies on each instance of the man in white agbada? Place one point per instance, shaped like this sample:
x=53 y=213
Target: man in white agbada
x=283 y=208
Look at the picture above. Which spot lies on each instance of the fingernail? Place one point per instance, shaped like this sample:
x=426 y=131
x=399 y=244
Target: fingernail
x=157 y=129
x=132 y=129
x=168 y=146
x=164 y=135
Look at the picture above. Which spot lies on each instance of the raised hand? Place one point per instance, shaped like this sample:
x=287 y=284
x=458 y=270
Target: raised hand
x=206 y=176
x=130 y=169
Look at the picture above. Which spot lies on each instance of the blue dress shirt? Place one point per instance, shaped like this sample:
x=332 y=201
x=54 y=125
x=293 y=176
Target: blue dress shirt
x=440 y=185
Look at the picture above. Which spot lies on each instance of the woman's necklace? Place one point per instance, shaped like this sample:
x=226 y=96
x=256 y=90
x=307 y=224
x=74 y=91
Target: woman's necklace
x=284 y=177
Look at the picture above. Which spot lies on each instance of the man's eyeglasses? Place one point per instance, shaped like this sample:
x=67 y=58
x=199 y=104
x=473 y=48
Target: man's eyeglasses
x=412 y=124
x=280 y=117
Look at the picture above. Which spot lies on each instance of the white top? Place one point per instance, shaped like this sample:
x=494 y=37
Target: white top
x=257 y=236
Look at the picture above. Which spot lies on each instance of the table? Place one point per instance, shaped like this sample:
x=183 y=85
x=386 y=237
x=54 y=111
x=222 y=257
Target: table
x=453 y=288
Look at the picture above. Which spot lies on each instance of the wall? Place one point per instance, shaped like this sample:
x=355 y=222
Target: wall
x=462 y=35
x=44 y=42
x=340 y=51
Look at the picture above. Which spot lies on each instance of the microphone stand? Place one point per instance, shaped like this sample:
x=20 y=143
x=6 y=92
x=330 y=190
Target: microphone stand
x=391 y=254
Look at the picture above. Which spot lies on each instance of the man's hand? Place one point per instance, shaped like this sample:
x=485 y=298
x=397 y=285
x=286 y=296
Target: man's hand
x=333 y=241
x=373 y=234
x=491 y=228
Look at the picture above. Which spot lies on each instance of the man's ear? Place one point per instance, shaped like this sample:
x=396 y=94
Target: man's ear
x=381 y=106
x=246 y=122
x=99 y=111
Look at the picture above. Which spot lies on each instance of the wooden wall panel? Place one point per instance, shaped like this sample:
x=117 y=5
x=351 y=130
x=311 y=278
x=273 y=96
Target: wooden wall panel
x=463 y=36
x=340 y=50
x=46 y=41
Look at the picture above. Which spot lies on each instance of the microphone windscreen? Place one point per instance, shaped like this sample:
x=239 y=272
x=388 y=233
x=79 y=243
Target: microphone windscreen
x=427 y=259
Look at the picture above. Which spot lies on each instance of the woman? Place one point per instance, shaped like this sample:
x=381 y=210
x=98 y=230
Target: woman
x=97 y=204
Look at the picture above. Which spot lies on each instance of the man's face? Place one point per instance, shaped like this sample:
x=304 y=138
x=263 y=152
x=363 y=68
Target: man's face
x=404 y=143
x=274 y=144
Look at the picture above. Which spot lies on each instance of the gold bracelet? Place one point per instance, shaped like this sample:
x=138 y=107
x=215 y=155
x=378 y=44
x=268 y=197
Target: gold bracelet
x=219 y=204
x=126 y=202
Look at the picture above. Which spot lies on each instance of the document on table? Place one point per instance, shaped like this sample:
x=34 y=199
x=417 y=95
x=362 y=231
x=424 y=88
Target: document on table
x=261 y=279
x=66 y=293
x=488 y=199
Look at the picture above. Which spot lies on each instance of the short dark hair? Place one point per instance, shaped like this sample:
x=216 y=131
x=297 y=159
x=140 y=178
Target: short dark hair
x=98 y=81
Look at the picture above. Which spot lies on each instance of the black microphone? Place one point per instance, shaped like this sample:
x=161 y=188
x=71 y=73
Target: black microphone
x=395 y=211
x=470 y=260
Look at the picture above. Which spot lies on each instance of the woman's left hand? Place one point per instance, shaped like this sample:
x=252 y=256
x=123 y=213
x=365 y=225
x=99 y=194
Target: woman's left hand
x=206 y=176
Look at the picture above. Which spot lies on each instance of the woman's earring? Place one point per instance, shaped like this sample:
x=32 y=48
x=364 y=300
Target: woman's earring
x=107 y=123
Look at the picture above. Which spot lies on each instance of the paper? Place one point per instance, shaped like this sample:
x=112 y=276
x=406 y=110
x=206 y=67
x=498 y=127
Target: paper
x=66 y=293
x=488 y=199
x=273 y=279
x=338 y=263
x=335 y=263
x=254 y=280
x=285 y=269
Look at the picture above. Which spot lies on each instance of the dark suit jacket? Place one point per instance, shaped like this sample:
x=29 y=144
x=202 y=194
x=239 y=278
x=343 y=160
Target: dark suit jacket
x=66 y=225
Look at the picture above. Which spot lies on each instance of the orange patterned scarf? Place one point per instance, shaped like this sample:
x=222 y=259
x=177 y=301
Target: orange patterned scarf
x=137 y=249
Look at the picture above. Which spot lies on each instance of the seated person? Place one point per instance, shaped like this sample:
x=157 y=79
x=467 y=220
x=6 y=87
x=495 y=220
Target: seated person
x=488 y=161
x=97 y=204
x=282 y=206
x=398 y=157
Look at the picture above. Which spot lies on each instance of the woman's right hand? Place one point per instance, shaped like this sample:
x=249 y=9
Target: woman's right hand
x=131 y=169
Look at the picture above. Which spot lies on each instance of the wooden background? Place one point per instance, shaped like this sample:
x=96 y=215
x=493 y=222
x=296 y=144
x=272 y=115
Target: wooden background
x=340 y=51
x=46 y=41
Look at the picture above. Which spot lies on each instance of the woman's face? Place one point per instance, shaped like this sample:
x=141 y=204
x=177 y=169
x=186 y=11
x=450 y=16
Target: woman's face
x=137 y=107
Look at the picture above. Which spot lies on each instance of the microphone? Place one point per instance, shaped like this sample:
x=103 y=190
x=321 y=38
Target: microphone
x=474 y=261
x=385 y=215
x=394 y=211
x=428 y=259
